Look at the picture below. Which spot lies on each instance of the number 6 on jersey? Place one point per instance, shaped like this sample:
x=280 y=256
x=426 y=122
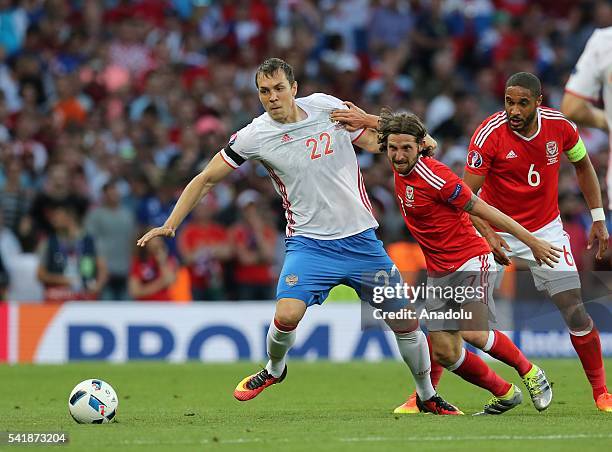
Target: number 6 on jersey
x=533 y=177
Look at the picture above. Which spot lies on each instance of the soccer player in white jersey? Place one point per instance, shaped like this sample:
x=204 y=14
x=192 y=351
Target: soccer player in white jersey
x=592 y=75
x=330 y=226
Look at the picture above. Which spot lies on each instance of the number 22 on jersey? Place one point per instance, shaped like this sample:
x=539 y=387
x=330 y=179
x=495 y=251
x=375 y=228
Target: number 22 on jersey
x=315 y=146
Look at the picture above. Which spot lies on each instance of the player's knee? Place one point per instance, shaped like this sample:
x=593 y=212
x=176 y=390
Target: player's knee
x=289 y=312
x=476 y=338
x=577 y=319
x=572 y=309
x=402 y=326
x=446 y=356
x=445 y=347
x=288 y=319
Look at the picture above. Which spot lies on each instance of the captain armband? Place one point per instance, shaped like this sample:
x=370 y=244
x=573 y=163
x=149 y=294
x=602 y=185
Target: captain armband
x=576 y=153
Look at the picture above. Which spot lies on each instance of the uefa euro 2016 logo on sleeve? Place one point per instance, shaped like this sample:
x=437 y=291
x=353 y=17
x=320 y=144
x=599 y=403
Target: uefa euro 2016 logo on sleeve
x=474 y=159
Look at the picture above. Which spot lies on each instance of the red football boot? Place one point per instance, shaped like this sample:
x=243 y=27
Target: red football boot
x=437 y=405
x=251 y=386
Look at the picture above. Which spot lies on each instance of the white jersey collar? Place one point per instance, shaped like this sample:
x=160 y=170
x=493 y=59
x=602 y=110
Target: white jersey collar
x=537 y=132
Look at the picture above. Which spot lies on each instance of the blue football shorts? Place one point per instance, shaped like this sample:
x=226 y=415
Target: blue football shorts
x=313 y=267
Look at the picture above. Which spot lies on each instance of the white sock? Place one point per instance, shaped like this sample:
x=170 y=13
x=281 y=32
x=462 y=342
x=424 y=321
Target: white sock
x=490 y=341
x=278 y=344
x=455 y=366
x=414 y=351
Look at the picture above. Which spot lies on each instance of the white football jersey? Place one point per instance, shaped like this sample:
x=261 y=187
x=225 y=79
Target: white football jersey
x=592 y=75
x=313 y=167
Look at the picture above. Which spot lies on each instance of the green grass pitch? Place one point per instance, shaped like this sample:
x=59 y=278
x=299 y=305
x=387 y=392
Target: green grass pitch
x=321 y=406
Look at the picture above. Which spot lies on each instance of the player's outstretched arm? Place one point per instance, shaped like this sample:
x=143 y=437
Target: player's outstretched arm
x=496 y=242
x=583 y=112
x=543 y=252
x=589 y=185
x=354 y=118
x=200 y=185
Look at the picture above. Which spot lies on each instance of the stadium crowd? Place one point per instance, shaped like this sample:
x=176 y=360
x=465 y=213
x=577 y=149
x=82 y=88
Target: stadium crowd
x=109 y=107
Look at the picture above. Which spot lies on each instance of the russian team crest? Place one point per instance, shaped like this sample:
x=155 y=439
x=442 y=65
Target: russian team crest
x=291 y=280
x=552 y=152
x=474 y=159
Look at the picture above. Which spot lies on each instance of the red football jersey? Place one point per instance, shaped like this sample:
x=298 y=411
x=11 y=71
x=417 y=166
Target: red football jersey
x=522 y=174
x=431 y=199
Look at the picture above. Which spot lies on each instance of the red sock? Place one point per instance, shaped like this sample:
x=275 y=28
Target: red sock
x=588 y=348
x=436 y=368
x=505 y=350
x=476 y=371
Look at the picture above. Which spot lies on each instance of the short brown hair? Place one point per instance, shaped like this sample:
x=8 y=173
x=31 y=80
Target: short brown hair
x=271 y=65
x=400 y=124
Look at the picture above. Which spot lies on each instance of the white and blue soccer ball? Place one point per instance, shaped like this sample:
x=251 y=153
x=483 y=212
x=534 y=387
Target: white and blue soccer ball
x=93 y=402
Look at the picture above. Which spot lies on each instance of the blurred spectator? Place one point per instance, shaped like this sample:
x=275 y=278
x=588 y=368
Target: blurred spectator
x=153 y=272
x=69 y=108
x=113 y=227
x=152 y=97
x=23 y=273
x=26 y=147
x=14 y=198
x=56 y=192
x=128 y=50
x=336 y=58
x=409 y=259
x=4 y=280
x=9 y=250
x=153 y=210
x=205 y=248
x=430 y=34
x=390 y=23
x=4 y=112
x=70 y=267
x=255 y=243
x=9 y=245
x=14 y=23
x=117 y=140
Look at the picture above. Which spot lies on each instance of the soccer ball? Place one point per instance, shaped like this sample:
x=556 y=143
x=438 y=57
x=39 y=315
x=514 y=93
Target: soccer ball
x=93 y=402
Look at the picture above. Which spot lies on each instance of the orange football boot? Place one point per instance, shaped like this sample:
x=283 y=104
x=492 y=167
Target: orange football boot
x=408 y=407
x=604 y=402
x=251 y=386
